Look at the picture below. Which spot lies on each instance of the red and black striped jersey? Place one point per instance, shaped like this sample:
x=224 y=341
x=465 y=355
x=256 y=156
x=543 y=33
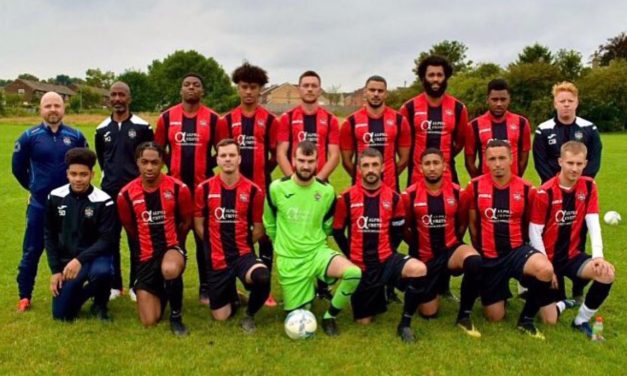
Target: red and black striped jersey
x=188 y=141
x=369 y=218
x=441 y=127
x=322 y=128
x=229 y=213
x=513 y=128
x=153 y=216
x=433 y=217
x=502 y=214
x=562 y=212
x=386 y=133
x=256 y=136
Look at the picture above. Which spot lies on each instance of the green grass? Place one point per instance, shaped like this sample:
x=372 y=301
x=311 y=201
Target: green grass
x=32 y=343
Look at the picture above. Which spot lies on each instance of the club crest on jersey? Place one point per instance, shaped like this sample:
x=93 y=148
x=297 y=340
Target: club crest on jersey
x=317 y=196
x=449 y=112
x=61 y=210
x=132 y=134
x=389 y=122
x=581 y=197
x=261 y=123
x=89 y=212
x=450 y=201
x=67 y=141
x=203 y=123
x=517 y=196
x=168 y=195
x=578 y=135
x=243 y=197
x=513 y=127
x=386 y=205
x=323 y=122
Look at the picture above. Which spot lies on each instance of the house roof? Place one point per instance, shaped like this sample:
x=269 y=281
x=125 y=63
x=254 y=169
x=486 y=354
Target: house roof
x=43 y=86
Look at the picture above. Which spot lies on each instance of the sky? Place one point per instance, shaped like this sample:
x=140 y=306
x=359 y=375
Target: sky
x=344 y=41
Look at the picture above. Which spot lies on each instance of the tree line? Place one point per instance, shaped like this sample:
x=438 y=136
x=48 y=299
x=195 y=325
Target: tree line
x=602 y=81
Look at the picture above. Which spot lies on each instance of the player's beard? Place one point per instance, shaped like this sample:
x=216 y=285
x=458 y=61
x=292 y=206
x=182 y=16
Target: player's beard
x=434 y=93
x=433 y=180
x=304 y=178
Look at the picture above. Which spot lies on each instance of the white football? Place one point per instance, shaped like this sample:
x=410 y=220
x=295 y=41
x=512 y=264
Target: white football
x=612 y=218
x=300 y=324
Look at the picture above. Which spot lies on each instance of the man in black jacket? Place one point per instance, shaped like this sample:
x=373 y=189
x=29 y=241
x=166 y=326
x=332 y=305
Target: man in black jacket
x=117 y=137
x=78 y=238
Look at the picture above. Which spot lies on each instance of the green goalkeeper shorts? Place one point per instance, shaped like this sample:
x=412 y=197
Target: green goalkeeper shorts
x=297 y=276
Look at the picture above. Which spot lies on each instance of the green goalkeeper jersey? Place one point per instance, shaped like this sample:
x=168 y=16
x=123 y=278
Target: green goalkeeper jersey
x=298 y=219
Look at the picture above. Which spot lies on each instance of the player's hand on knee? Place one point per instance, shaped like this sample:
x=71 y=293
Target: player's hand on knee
x=554 y=282
x=72 y=269
x=56 y=283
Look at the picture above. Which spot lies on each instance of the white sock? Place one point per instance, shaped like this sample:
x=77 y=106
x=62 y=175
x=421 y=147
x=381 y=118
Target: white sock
x=584 y=315
x=561 y=306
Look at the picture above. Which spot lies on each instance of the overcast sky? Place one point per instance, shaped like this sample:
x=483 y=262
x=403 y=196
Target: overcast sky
x=345 y=41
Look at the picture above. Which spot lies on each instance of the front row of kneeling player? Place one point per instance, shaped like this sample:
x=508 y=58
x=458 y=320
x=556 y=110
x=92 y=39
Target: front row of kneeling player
x=368 y=222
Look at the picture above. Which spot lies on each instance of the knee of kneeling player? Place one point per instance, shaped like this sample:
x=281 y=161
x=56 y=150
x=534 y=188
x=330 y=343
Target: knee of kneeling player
x=352 y=274
x=472 y=265
x=260 y=276
x=416 y=269
x=170 y=271
x=545 y=272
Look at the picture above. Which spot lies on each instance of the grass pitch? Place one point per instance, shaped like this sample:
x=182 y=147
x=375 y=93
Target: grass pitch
x=32 y=343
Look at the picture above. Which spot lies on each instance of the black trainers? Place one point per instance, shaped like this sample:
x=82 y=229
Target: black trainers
x=406 y=333
x=329 y=326
x=467 y=326
x=100 y=313
x=584 y=327
x=248 y=324
x=178 y=328
x=530 y=329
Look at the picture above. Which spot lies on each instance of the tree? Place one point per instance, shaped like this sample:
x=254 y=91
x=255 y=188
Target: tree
x=471 y=86
x=569 y=64
x=603 y=96
x=166 y=77
x=2 y=104
x=334 y=94
x=28 y=76
x=98 y=78
x=85 y=99
x=535 y=53
x=614 y=48
x=454 y=51
x=530 y=85
x=142 y=90
x=61 y=79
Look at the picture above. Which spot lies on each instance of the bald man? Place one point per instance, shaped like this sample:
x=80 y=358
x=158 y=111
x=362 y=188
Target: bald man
x=117 y=137
x=39 y=167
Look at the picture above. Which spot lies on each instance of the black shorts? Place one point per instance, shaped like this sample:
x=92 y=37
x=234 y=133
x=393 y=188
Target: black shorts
x=437 y=269
x=221 y=283
x=369 y=299
x=571 y=269
x=148 y=274
x=496 y=274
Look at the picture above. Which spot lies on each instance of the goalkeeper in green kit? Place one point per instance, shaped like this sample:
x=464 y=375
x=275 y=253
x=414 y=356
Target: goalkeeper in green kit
x=298 y=217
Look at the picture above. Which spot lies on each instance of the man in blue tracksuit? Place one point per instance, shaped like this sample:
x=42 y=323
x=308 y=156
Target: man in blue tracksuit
x=39 y=166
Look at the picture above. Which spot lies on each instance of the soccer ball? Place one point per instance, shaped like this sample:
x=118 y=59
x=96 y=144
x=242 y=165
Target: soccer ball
x=300 y=324
x=612 y=218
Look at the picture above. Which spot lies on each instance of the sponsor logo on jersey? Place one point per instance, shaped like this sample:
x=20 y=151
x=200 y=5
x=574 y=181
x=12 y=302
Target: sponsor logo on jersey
x=225 y=215
x=434 y=220
x=153 y=217
x=61 y=210
x=368 y=224
x=496 y=215
x=565 y=217
x=213 y=195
